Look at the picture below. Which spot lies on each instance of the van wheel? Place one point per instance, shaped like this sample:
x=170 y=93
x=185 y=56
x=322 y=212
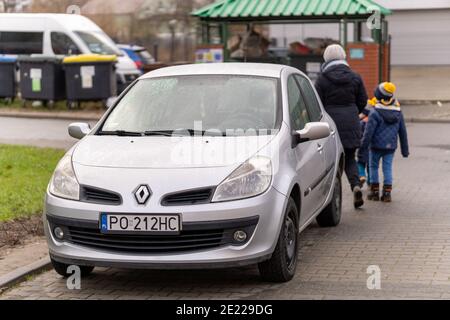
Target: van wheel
x=282 y=265
x=331 y=215
x=61 y=269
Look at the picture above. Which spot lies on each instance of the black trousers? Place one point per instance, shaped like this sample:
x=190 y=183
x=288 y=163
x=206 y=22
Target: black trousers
x=351 y=168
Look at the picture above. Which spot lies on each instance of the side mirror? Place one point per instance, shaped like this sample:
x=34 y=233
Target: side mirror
x=79 y=130
x=312 y=131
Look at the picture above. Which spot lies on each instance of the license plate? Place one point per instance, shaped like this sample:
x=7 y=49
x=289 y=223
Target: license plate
x=120 y=223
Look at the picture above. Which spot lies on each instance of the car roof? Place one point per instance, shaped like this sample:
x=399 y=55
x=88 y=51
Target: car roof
x=248 y=69
x=131 y=47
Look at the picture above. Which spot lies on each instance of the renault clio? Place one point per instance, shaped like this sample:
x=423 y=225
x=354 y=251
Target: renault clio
x=198 y=166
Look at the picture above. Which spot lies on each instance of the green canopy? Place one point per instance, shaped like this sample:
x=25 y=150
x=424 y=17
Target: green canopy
x=245 y=10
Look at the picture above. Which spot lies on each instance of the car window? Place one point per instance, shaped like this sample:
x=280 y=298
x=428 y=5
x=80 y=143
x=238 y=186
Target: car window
x=63 y=44
x=21 y=42
x=224 y=103
x=313 y=105
x=297 y=107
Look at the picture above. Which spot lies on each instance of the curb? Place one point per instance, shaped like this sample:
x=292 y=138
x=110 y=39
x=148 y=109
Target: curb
x=20 y=274
x=48 y=116
x=427 y=120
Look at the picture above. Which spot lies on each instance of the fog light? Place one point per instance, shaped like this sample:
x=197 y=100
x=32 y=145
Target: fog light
x=59 y=233
x=240 y=236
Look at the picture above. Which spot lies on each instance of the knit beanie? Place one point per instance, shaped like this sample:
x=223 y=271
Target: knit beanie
x=334 y=52
x=385 y=91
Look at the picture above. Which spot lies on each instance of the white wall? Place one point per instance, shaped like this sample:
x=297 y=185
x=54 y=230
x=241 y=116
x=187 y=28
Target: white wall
x=420 y=37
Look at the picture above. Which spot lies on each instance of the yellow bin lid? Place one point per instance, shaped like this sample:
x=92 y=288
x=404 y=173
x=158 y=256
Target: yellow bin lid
x=83 y=58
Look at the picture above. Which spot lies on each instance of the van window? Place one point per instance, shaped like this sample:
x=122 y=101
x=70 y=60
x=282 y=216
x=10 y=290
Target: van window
x=21 y=42
x=63 y=44
x=96 y=43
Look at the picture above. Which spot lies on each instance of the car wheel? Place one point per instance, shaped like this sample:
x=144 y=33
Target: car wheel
x=61 y=269
x=331 y=215
x=282 y=265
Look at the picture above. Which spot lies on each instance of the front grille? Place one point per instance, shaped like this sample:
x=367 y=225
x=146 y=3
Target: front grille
x=200 y=196
x=100 y=196
x=195 y=236
x=186 y=241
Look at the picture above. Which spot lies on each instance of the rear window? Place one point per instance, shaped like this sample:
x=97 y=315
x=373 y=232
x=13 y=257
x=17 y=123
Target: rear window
x=21 y=42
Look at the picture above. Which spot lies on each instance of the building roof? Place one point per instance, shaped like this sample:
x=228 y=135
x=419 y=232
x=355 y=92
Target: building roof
x=287 y=9
x=116 y=7
x=251 y=69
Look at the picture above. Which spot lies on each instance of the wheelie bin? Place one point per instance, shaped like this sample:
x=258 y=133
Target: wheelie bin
x=90 y=78
x=41 y=78
x=7 y=78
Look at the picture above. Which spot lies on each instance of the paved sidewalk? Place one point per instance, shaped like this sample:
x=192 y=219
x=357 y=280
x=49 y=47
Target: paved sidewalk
x=12 y=258
x=409 y=240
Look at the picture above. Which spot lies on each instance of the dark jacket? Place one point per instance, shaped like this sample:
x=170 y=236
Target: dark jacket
x=385 y=125
x=344 y=97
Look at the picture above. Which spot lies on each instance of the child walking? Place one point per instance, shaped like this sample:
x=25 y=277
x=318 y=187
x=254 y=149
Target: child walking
x=384 y=126
x=363 y=157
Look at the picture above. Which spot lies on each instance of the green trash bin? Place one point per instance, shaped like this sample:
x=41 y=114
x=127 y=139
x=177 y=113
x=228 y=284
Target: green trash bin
x=7 y=78
x=90 y=78
x=41 y=78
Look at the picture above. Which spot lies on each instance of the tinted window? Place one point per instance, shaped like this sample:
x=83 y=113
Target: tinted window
x=220 y=102
x=297 y=107
x=21 y=42
x=63 y=44
x=310 y=97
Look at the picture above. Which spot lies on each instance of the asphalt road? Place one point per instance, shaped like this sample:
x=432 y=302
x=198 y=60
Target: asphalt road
x=408 y=240
x=36 y=132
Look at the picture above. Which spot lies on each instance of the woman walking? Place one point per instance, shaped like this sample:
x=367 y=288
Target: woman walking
x=344 y=97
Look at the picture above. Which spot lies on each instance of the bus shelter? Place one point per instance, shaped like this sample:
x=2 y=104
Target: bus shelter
x=355 y=19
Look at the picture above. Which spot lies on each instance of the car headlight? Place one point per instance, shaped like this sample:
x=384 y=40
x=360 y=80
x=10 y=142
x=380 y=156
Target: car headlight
x=249 y=180
x=64 y=183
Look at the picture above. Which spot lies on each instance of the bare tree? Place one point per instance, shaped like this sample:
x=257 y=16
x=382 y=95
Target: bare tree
x=55 y=6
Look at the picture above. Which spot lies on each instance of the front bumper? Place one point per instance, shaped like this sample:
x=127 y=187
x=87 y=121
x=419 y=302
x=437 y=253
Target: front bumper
x=266 y=212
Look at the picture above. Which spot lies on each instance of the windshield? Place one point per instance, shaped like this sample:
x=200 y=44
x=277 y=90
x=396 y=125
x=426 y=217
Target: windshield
x=98 y=43
x=220 y=104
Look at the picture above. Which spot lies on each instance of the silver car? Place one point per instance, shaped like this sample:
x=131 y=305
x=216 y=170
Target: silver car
x=198 y=166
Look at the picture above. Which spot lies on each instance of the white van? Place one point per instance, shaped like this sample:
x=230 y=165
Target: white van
x=61 y=34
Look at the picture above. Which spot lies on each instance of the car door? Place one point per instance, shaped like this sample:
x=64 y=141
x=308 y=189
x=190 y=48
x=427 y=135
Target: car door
x=329 y=144
x=309 y=158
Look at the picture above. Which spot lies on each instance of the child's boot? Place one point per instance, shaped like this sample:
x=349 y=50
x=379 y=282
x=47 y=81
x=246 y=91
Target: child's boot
x=386 y=197
x=374 y=194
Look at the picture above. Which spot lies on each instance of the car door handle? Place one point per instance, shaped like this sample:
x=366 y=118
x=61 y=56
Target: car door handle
x=333 y=133
x=319 y=147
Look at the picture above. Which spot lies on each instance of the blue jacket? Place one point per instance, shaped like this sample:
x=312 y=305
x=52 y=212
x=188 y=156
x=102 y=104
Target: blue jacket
x=386 y=124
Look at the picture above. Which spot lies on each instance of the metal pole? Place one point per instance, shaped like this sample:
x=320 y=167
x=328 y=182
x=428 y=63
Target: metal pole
x=380 y=51
x=224 y=28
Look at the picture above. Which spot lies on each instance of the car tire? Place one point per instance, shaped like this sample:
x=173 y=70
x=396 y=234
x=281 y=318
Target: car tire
x=331 y=215
x=61 y=269
x=282 y=265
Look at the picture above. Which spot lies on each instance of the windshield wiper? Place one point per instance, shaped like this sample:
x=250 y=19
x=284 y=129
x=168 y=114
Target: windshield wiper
x=210 y=133
x=164 y=133
x=120 y=133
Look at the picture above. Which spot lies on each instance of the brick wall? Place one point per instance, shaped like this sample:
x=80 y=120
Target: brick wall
x=367 y=67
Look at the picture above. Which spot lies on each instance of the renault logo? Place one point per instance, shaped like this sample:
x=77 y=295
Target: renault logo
x=142 y=194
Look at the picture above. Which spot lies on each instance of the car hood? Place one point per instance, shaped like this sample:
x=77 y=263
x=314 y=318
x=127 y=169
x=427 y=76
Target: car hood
x=166 y=152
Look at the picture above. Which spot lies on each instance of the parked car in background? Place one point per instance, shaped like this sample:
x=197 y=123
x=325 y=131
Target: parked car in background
x=139 y=55
x=148 y=188
x=61 y=35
